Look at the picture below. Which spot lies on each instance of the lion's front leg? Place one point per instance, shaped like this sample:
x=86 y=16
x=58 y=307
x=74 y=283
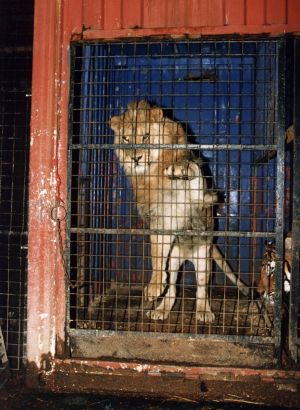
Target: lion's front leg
x=210 y=198
x=191 y=171
x=184 y=169
x=160 y=248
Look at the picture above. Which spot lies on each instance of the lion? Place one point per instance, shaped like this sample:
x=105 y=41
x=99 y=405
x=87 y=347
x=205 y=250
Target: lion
x=172 y=195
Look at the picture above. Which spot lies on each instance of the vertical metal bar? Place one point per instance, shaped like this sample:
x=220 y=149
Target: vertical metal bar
x=294 y=297
x=84 y=175
x=69 y=187
x=280 y=141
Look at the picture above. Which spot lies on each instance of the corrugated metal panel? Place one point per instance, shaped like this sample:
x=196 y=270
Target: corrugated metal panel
x=72 y=15
x=255 y=12
x=293 y=12
x=154 y=13
x=241 y=15
x=93 y=13
x=113 y=14
x=234 y=12
x=132 y=16
x=176 y=15
x=213 y=13
x=206 y=13
x=276 y=11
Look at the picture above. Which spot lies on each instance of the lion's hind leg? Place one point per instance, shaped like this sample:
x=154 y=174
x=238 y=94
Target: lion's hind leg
x=160 y=248
x=202 y=264
x=162 y=311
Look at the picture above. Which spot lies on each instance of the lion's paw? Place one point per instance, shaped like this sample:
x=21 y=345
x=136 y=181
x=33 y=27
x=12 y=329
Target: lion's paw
x=158 y=314
x=207 y=317
x=182 y=170
x=210 y=198
x=153 y=291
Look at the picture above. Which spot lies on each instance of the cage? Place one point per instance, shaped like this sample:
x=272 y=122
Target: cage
x=229 y=98
x=15 y=92
x=15 y=86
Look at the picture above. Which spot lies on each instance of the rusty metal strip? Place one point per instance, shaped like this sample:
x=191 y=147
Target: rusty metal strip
x=189 y=372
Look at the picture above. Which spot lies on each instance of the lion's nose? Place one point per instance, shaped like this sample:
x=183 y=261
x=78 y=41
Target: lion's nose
x=136 y=159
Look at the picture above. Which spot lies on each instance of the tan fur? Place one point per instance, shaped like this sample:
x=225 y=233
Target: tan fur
x=266 y=285
x=171 y=193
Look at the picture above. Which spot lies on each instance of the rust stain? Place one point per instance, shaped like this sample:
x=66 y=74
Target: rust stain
x=224 y=373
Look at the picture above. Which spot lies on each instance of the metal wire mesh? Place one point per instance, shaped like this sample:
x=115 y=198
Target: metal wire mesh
x=15 y=89
x=295 y=271
x=225 y=95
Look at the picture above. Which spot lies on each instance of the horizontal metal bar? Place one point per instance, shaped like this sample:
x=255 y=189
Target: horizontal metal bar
x=214 y=147
x=10 y=50
x=172 y=336
x=184 y=55
x=194 y=232
x=9 y=233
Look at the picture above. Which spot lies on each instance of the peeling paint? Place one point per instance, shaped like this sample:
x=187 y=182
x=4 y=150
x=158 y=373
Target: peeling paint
x=226 y=19
x=52 y=342
x=142 y=368
x=52 y=179
x=43 y=192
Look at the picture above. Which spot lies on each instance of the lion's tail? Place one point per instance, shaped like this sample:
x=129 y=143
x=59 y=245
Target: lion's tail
x=223 y=264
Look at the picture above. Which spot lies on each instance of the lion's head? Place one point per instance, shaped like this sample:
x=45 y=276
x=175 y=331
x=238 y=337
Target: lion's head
x=143 y=128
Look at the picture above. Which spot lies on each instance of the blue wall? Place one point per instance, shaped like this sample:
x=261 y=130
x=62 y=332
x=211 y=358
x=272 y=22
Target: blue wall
x=224 y=93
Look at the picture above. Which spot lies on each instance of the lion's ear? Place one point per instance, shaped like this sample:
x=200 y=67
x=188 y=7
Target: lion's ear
x=143 y=105
x=156 y=114
x=115 y=123
x=132 y=105
x=137 y=109
x=131 y=112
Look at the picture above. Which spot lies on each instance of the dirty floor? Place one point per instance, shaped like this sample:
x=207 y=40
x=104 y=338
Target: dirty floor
x=14 y=396
x=32 y=400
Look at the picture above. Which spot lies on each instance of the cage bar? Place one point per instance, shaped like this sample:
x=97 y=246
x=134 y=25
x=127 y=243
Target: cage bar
x=294 y=311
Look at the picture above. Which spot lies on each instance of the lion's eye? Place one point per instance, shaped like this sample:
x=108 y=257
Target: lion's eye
x=126 y=139
x=146 y=136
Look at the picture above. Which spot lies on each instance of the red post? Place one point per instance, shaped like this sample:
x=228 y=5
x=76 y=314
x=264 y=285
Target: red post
x=46 y=296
